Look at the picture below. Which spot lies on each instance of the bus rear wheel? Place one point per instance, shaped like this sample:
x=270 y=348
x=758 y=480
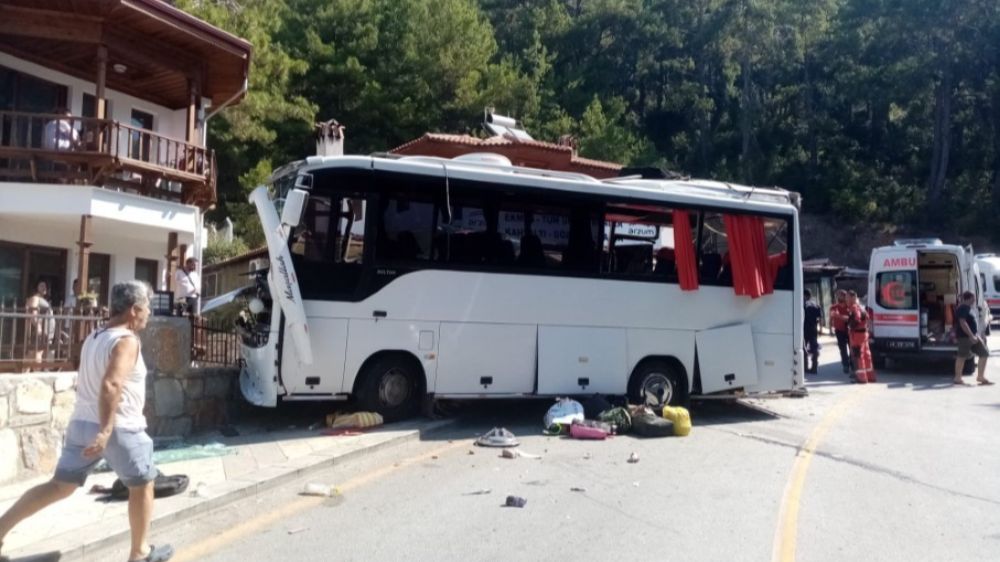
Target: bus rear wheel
x=657 y=384
x=390 y=386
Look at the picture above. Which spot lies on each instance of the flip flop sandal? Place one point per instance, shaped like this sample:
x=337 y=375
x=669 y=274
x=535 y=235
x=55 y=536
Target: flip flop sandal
x=497 y=437
x=158 y=554
x=960 y=383
x=985 y=383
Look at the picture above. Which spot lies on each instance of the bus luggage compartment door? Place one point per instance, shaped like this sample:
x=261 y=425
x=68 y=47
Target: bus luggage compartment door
x=582 y=360
x=726 y=358
x=486 y=358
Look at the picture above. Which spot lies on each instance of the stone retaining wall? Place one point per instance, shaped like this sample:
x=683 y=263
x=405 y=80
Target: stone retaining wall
x=180 y=399
x=34 y=412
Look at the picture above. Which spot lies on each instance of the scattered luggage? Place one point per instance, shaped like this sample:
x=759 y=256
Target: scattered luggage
x=564 y=411
x=163 y=487
x=619 y=418
x=649 y=425
x=497 y=437
x=680 y=417
x=589 y=429
x=356 y=420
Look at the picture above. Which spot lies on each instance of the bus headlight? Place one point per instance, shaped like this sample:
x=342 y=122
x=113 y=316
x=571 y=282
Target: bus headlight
x=256 y=305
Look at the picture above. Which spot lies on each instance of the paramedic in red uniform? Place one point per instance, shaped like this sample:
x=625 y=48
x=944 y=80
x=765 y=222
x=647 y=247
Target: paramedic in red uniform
x=838 y=321
x=857 y=327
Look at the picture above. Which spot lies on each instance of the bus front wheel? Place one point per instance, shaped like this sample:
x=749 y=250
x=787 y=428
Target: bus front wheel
x=390 y=386
x=658 y=383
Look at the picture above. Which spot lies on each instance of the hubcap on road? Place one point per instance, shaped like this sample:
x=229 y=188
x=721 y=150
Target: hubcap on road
x=394 y=388
x=657 y=390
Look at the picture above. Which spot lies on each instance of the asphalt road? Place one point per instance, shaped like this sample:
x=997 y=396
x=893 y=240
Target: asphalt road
x=906 y=469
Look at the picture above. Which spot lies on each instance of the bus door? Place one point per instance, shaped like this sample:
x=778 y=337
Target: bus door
x=894 y=300
x=726 y=358
x=259 y=376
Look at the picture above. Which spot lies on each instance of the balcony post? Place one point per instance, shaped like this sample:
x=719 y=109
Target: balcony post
x=99 y=95
x=191 y=134
x=171 y=260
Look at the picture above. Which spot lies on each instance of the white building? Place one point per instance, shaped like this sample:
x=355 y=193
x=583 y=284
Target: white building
x=121 y=195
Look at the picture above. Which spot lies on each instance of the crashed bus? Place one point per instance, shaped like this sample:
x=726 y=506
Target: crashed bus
x=394 y=281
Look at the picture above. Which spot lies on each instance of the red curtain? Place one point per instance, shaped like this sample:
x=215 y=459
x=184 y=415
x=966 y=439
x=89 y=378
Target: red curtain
x=752 y=269
x=687 y=267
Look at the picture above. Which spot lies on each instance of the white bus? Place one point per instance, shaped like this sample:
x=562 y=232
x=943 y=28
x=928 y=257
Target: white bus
x=401 y=279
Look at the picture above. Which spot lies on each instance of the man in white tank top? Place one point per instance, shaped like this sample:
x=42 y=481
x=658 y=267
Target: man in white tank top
x=107 y=423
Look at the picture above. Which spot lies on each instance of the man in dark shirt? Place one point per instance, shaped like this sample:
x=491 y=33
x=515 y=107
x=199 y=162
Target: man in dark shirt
x=969 y=341
x=811 y=316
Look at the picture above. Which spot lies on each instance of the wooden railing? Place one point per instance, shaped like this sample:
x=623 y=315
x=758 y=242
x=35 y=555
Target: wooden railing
x=43 y=340
x=70 y=149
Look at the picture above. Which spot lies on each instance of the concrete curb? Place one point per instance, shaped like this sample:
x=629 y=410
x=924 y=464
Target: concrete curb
x=88 y=541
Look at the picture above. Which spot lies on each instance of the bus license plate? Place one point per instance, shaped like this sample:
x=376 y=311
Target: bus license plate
x=901 y=344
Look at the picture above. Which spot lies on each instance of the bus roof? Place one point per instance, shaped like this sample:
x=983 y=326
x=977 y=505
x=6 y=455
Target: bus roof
x=685 y=191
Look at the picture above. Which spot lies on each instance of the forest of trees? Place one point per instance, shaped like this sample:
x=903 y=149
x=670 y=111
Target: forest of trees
x=884 y=111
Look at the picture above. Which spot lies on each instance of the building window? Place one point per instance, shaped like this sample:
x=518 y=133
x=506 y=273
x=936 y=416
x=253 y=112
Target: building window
x=146 y=270
x=99 y=277
x=140 y=139
x=210 y=285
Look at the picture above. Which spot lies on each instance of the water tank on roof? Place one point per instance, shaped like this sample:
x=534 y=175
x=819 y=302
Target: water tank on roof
x=484 y=158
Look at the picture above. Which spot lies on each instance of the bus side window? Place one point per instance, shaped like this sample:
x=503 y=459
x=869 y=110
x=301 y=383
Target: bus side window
x=778 y=237
x=714 y=263
x=405 y=229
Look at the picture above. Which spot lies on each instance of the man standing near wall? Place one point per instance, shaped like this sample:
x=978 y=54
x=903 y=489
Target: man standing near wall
x=187 y=286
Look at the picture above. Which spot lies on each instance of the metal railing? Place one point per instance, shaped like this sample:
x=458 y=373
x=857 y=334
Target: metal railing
x=214 y=342
x=43 y=339
x=43 y=147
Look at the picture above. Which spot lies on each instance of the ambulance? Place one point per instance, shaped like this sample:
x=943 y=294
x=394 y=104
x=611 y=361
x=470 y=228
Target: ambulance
x=914 y=289
x=989 y=272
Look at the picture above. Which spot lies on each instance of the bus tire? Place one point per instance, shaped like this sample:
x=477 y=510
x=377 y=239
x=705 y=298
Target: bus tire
x=391 y=385
x=657 y=383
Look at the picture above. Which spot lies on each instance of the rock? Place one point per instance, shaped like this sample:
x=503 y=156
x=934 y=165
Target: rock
x=40 y=449
x=9 y=464
x=168 y=397
x=166 y=344
x=62 y=409
x=30 y=420
x=174 y=427
x=4 y=411
x=33 y=397
x=194 y=388
x=64 y=382
x=217 y=387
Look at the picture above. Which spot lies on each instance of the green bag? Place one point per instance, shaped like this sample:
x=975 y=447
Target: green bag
x=619 y=418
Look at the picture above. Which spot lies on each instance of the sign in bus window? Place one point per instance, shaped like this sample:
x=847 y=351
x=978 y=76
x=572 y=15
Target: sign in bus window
x=896 y=290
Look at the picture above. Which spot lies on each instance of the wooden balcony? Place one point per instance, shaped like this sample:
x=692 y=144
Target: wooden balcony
x=67 y=149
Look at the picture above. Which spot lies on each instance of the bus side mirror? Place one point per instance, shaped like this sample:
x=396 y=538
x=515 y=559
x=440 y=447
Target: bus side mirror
x=295 y=204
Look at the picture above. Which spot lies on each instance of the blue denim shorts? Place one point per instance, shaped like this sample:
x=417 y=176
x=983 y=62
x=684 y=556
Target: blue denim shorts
x=129 y=453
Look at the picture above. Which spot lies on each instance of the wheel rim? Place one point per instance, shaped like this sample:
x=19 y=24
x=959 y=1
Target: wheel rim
x=657 y=390
x=394 y=388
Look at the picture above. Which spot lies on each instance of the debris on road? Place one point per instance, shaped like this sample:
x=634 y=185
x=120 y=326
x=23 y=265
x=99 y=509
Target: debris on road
x=680 y=417
x=515 y=454
x=589 y=429
x=577 y=489
x=515 y=501
x=481 y=492
x=633 y=458
x=356 y=420
x=296 y=530
x=320 y=490
x=564 y=412
x=497 y=437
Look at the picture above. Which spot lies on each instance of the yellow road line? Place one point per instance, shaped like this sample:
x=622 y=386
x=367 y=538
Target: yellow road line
x=783 y=549
x=216 y=542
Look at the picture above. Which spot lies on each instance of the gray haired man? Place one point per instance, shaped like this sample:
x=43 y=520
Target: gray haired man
x=107 y=423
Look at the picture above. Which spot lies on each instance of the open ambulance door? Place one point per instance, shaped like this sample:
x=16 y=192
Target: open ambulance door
x=894 y=299
x=726 y=358
x=259 y=378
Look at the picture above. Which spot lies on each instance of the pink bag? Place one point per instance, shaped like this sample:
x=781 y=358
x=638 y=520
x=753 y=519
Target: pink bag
x=589 y=430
